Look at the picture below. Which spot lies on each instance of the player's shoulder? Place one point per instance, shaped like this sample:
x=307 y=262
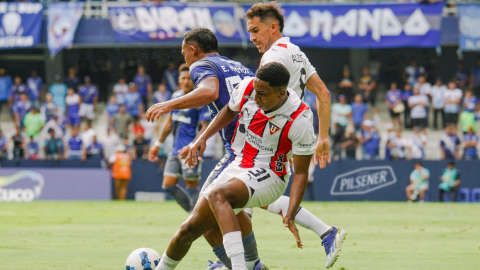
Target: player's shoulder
x=245 y=84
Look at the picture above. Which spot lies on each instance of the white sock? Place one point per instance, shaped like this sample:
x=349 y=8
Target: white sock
x=166 y=263
x=233 y=244
x=303 y=217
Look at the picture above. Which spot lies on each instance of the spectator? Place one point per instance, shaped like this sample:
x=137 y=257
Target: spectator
x=170 y=75
x=111 y=109
x=350 y=145
x=345 y=86
x=87 y=135
x=32 y=149
x=72 y=81
x=470 y=102
x=396 y=146
x=55 y=125
x=140 y=146
x=406 y=94
x=395 y=104
x=3 y=147
x=53 y=146
x=467 y=117
x=33 y=122
x=120 y=89
x=341 y=112
x=359 y=112
x=475 y=79
x=453 y=97
x=35 y=84
x=74 y=145
x=73 y=102
x=110 y=141
x=89 y=95
x=337 y=134
x=417 y=145
x=161 y=95
x=137 y=127
x=438 y=103
x=423 y=85
x=449 y=143
x=21 y=108
x=133 y=102
x=449 y=183
x=418 y=109
x=121 y=121
x=59 y=92
x=16 y=90
x=48 y=109
x=5 y=85
x=149 y=127
x=128 y=146
x=367 y=85
x=94 y=150
x=470 y=141
x=18 y=143
x=370 y=140
x=412 y=72
x=121 y=171
x=461 y=76
x=144 y=86
x=418 y=183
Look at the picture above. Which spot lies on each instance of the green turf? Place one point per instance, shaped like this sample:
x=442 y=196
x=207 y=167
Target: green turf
x=100 y=235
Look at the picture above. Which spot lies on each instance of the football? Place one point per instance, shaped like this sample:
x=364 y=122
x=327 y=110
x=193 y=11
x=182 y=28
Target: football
x=143 y=259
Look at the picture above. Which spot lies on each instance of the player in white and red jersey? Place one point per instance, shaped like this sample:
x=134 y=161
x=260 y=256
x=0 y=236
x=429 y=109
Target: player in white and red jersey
x=265 y=24
x=274 y=125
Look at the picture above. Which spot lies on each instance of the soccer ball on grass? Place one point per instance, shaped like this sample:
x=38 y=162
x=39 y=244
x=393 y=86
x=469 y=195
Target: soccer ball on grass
x=143 y=259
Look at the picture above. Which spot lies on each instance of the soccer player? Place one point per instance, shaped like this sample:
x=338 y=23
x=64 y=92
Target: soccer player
x=259 y=174
x=186 y=126
x=265 y=24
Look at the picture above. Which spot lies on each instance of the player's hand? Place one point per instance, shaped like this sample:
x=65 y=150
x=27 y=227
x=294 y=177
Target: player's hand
x=322 y=153
x=196 y=152
x=156 y=110
x=290 y=223
x=153 y=153
x=183 y=153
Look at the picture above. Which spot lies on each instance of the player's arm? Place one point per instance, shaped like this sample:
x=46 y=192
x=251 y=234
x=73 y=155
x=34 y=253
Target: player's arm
x=322 y=150
x=182 y=153
x=166 y=130
x=205 y=93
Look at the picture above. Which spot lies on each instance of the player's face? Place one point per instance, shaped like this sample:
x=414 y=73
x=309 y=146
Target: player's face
x=267 y=97
x=185 y=82
x=190 y=53
x=260 y=33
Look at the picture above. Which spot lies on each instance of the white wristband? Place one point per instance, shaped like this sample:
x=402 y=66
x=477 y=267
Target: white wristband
x=158 y=144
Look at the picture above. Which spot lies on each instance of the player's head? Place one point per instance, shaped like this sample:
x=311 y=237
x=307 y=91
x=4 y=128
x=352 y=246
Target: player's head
x=184 y=79
x=265 y=24
x=198 y=42
x=271 y=86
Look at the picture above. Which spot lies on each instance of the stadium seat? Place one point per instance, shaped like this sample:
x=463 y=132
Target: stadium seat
x=464 y=195
x=475 y=195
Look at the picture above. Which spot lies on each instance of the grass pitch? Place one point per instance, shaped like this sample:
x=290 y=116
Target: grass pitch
x=100 y=235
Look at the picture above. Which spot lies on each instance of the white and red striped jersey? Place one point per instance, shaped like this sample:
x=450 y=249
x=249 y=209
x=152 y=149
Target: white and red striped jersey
x=269 y=139
x=288 y=54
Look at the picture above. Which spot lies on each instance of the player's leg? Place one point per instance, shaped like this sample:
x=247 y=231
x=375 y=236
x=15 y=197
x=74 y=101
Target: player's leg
x=192 y=179
x=170 y=180
x=200 y=221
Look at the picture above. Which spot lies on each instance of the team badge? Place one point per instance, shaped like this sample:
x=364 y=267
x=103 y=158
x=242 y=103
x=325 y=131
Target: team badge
x=273 y=128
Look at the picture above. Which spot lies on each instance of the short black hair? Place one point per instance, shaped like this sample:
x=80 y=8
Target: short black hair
x=274 y=73
x=206 y=39
x=183 y=67
x=451 y=163
x=271 y=10
x=418 y=163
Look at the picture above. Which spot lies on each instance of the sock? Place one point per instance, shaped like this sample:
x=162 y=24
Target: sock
x=251 y=252
x=180 y=195
x=303 y=217
x=193 y=193
x=166 y=263
x=222 y=256
x=232 y=242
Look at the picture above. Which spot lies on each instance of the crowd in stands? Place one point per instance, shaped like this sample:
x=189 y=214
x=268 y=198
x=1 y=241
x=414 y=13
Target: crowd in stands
x=453 y=103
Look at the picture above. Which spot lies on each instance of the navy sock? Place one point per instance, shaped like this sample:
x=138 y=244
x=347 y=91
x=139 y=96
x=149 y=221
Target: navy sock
x=193 y=193
x=222 y=255
x=180 y=195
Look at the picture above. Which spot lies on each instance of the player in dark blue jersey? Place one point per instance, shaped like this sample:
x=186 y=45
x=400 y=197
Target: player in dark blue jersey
x=185 y=125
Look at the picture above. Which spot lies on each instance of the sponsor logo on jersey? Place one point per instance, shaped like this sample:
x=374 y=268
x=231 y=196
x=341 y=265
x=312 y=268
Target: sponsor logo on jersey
x=364 y=180
x=306 y=145
x=272 y=127
x=257 y=141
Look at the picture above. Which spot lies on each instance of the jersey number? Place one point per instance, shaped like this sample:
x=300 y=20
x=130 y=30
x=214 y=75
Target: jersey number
x=258 y=173
x=303 y=83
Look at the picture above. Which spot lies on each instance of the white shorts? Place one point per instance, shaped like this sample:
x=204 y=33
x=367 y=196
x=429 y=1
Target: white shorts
x=86 y=110
x=264 y=185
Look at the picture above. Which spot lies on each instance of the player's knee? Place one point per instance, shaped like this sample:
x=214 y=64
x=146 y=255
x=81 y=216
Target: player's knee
x=217 y=196
x=169 y=189
x=187 y=232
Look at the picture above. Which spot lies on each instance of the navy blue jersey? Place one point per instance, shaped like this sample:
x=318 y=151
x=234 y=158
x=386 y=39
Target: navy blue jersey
x=229 y=73
x=186 y=123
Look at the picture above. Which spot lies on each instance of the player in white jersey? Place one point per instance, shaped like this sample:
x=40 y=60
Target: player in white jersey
x=265 y=24
x=274 y=125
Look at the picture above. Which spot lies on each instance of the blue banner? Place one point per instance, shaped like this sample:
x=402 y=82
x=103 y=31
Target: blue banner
x=63 y=20
x=363 y=26
x=170 y=21
x=20 y=24
x=469 y=26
